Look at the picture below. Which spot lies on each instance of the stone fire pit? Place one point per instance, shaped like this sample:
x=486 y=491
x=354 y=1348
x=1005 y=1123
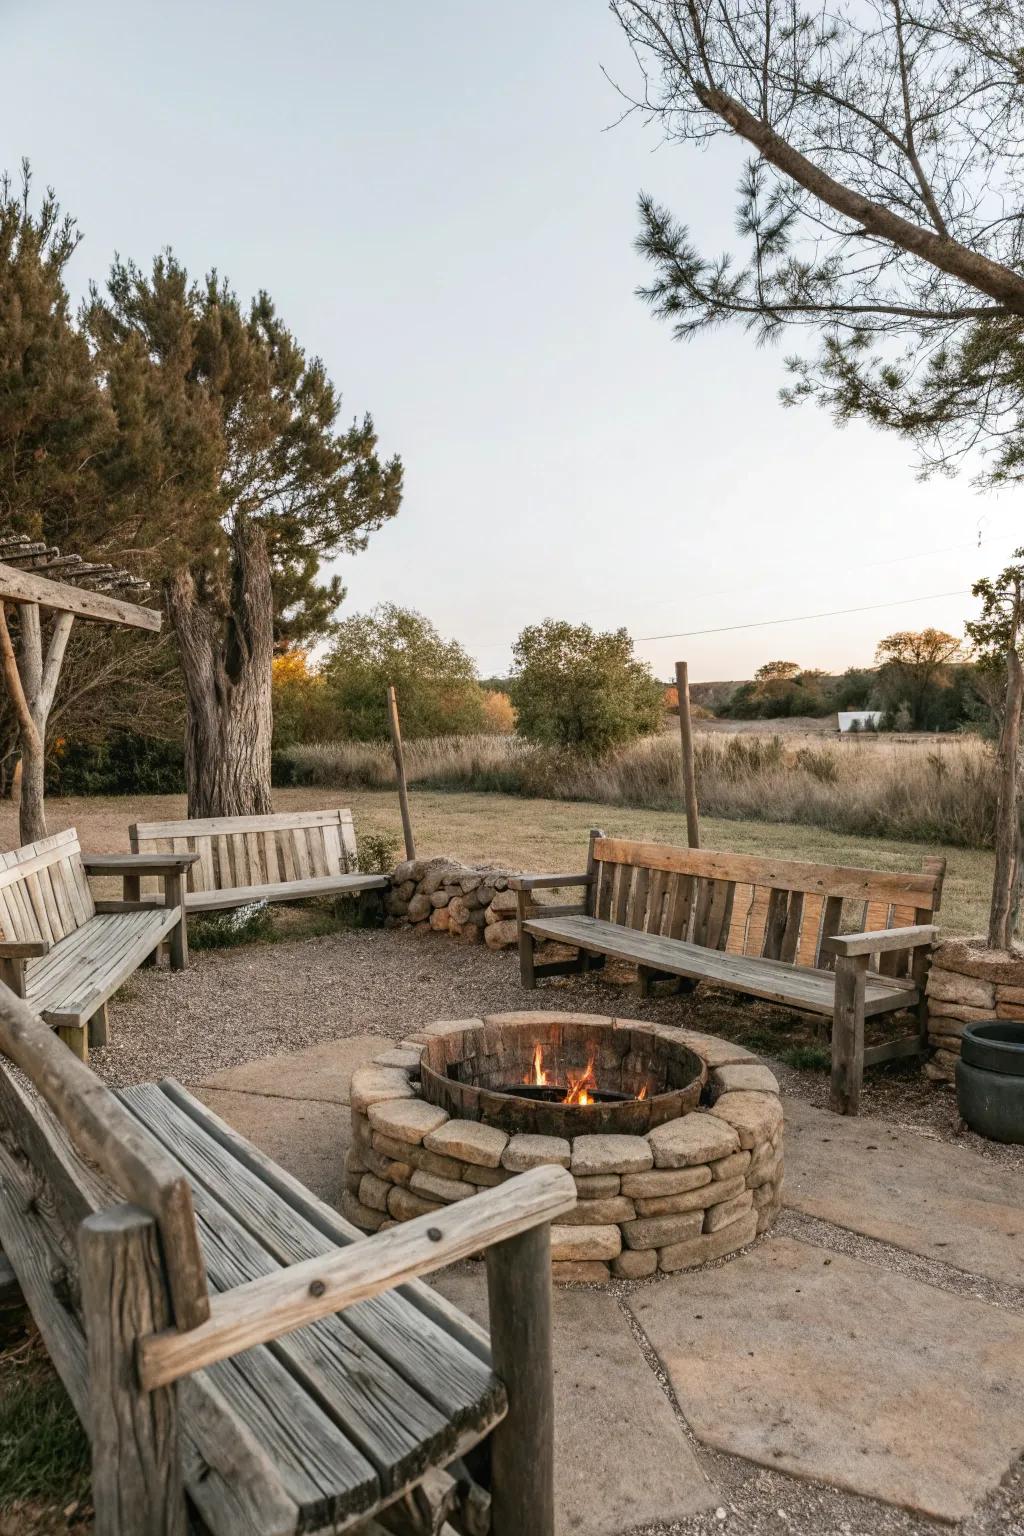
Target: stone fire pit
x=674 y=1138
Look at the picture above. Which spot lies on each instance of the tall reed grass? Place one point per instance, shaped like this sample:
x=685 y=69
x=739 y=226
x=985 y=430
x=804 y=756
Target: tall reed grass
x=900 y=789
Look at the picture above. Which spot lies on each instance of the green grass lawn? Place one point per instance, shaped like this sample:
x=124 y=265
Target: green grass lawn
x=552 y=835
x=547 y=834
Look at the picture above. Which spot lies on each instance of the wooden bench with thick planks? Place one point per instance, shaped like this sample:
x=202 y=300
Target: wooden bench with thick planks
x=769 y=928
x=285 y=856
x=235 y=1349
x=65 y=952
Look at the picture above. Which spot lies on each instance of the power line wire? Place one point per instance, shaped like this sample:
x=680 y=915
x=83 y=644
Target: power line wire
x=800 y=618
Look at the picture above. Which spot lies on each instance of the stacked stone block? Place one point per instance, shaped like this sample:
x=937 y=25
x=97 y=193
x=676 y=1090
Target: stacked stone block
x=472 y=904
x=691 y=1190
x=969 y=984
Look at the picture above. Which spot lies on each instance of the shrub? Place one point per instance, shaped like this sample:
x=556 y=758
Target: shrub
x=499 y=712
x=251 y=924
x=378 y=852
x=124 y=764
x=299 y=699
x=579 y=690
x=435 y=679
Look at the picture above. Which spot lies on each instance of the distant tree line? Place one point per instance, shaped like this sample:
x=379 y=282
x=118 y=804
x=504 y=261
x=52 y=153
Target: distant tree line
x=922 y=681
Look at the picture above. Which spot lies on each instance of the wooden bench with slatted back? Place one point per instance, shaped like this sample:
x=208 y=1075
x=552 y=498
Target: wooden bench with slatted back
x=285 y=856
x=778 y=929
x=232 y=1344
x=67 y=952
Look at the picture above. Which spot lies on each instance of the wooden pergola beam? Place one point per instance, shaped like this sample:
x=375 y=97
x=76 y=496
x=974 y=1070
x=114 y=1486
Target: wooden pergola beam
x=21 y=586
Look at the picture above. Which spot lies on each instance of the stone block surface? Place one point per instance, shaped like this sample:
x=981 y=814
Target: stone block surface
x=697 y=1138
x=611 y=1154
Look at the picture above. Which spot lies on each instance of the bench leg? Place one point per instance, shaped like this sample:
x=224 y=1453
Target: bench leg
x=174 y=887
x=848 y=1035
x=136 y=1463
x=76 y=1038
x=99 y=1027
x=526 y=968
x=523 y=1444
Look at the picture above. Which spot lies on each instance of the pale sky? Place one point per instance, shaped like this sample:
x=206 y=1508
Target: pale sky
x=430 y=194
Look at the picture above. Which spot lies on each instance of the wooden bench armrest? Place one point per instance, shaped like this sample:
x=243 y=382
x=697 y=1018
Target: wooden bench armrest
x=137 y=863
x=547 y=882
x=24 y=949
x=293 y=1297
x=847 y=945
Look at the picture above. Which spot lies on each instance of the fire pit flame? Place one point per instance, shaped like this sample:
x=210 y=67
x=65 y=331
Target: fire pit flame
x=581 y=1087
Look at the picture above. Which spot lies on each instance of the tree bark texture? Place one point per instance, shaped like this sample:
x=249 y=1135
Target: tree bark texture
x=225 y=638
x=1004 y=911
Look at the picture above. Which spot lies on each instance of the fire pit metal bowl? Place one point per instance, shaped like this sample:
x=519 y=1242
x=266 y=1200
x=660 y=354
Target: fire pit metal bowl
x=492 y=1072
x=673 y=1138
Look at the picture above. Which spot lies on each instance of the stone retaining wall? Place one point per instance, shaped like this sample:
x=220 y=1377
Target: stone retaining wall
x=470 y=903
x=691 y=1190
x=969 y=984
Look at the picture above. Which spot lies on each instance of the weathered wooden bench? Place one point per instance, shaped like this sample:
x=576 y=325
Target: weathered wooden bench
x=285 y=856
x=235 y=1349
x=66 y=952
x=768 y=928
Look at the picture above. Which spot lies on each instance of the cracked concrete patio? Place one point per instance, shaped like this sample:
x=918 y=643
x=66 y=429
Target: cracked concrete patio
x=859 y=1369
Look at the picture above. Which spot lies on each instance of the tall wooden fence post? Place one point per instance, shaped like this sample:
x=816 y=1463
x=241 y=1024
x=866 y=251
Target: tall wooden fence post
x=136 y=1465
x=523 y=1444
x=686 y=740
x=403 y=792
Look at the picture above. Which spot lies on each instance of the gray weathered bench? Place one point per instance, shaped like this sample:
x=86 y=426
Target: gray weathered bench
x=769 y=928
x=66 y=952
x=286 y=856
x=235 y=1348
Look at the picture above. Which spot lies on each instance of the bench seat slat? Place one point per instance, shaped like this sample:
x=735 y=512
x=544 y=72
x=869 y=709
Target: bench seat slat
x=286 y=890
x=774 y=980
x=458 y=1383
x=361 y=1366
x=82 y=971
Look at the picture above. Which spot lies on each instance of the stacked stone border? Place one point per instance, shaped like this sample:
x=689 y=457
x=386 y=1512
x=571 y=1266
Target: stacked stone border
x=471 y=903
x=969 y=984
x=691 y=1190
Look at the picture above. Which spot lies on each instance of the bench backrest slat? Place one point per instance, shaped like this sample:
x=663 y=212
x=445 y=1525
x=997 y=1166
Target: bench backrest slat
x=782 y=910
x=239 y=851
x=44 y=890
x=106 y=1136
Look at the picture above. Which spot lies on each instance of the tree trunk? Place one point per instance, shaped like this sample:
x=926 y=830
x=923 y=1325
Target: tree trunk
x=1006 y=882
x=226 y=642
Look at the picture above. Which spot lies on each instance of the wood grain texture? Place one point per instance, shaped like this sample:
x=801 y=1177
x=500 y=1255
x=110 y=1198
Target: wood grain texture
x=523 y=1445
x=278 y=1303
x=20 y=586
x=104 y=1133
x=136 y=1462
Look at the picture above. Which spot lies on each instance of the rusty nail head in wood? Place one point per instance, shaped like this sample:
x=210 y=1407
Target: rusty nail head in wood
x=434 y=1233
x=317 y=1288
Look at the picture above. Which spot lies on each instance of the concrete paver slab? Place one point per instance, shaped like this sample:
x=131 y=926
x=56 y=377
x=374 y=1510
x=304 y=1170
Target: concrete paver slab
x=930 y=1197
x=321 y=1072
x=824 y=1366
x=308 y=1139
x=622 y=1459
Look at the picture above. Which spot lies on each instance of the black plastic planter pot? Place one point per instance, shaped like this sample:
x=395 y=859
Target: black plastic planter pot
x=990 y=1080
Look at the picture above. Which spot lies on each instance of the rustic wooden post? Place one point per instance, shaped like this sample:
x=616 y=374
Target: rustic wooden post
x=523 y=1444
x=848 y=1034
x=686 y=741
x=403 y=792
x=136 y=1466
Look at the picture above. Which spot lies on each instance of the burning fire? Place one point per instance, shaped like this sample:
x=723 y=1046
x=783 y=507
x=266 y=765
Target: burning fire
x=580 y=1087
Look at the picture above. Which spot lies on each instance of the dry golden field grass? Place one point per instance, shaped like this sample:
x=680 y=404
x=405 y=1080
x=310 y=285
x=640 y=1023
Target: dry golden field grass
x=533 y=834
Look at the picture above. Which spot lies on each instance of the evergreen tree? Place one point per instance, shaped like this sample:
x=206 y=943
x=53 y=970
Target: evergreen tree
x=236 y=479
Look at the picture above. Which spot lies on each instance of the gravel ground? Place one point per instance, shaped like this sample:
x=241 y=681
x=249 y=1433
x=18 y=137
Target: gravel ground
x=236 y=1005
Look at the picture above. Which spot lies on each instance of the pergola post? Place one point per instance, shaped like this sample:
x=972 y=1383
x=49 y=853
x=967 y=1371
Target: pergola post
x=30 y=675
